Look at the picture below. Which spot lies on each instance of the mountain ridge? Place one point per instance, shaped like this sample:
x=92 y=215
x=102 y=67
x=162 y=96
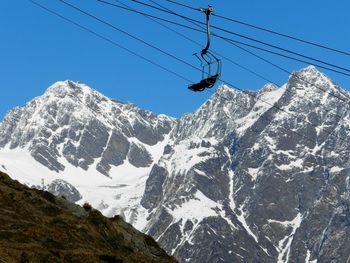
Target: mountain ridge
x=259 y=166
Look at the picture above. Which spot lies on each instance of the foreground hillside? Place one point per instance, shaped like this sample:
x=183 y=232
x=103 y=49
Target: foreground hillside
x=35 y=226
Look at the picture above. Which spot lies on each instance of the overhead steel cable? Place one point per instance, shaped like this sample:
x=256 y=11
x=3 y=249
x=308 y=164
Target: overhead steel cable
x=161 y=24
x=200 y=45
x=238 y=46
x=284 y=35
x=237 y=64
x=187 y=6
x=128 y=34
x=280 y=54
x=109 y=41
x=231 y=85
x=227 y=40
x=250 y=94
x=312 y=43
x=272 y=64
x=293 y=74
x=263 y=59
x=224 y=38
x=242 y=36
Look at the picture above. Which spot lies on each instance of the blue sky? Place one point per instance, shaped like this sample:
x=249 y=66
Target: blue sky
x=38 y=49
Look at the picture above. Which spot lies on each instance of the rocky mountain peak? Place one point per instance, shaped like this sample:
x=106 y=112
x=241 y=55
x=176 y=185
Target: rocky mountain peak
x=311 y=69
x=74 y=121
x=268 y=87
x=69 y=86
x=311 y=85
x=308 y=77
x=75 y=94
x=225 y=92
x=223 y=88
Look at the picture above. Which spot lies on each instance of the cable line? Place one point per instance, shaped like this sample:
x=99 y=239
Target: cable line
x=198 y=44
x=241 y=66
x=280 y=54
x=292 y=74
x=128 y=34
x=281 y=69
x=242 y=36
x=234 y=87
x=232 y=43
x=224 y=38
x=109 y=41
x=269 y=31
x=238 y=46
x=187 y=6
x=275 y=65
x=161 y=24
x=285 y=35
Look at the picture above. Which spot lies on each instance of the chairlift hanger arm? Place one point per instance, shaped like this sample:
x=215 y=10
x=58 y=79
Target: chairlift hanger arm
x=207 y=11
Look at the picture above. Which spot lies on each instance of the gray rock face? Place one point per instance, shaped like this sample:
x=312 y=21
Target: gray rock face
x=9 y=126
x=239 y=180
x=60 y=187
x=115 y=152
x=153 y=192
x=138 y=156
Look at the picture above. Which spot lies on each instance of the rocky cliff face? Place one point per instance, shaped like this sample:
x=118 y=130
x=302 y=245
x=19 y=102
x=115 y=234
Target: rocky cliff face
x=249 y=177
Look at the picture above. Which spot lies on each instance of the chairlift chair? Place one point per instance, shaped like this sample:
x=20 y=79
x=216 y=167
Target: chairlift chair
x=207 y=59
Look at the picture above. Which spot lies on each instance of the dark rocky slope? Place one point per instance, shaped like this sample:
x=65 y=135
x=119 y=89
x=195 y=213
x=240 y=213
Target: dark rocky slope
x=35 y=226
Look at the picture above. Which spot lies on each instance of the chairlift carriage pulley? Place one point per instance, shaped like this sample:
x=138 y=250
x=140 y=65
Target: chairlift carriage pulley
x=207 y=60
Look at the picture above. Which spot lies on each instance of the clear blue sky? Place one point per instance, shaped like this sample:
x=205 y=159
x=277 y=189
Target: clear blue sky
x=38 y=49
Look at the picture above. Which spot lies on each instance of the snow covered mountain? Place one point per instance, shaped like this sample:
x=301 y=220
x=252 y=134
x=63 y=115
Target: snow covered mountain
x=78 y=135
x=249 y=177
